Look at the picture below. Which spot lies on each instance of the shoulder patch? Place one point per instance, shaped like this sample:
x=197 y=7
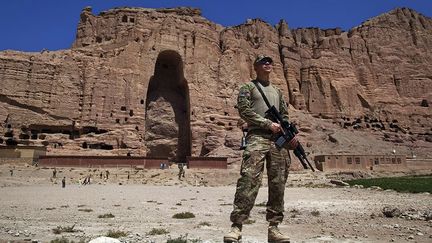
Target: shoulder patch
x=245 y=89
x=244 y=93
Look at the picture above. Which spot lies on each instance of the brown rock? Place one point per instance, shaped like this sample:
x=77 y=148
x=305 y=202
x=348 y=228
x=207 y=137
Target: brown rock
x=164 y=81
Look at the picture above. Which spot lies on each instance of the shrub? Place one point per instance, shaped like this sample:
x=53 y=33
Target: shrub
x=87 y=210
x=180 y=239
x=184 y=215
x=61 y=229
x=294 y=213
x=65 y=240
x=106 y=216
x=183 y=239
x=158 y=232
x=204 y=224
x=116 y=234
x=315 y=213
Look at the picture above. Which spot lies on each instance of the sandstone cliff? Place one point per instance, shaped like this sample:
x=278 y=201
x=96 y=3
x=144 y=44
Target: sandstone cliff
x=163 y=82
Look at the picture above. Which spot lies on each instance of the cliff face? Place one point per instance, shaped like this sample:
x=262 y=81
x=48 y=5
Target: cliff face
x=163 y=82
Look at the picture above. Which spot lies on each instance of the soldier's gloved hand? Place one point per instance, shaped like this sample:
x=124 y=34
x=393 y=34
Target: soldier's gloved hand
x=275 y=127
x=293 y=143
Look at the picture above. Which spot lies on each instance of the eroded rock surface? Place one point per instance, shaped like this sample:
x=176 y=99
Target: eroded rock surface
x=163 y=82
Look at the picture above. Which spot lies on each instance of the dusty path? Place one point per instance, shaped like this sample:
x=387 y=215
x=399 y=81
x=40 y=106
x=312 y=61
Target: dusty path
x=32 y=205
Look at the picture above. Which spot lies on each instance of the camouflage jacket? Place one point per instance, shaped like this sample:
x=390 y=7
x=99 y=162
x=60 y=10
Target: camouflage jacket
x=251 y=105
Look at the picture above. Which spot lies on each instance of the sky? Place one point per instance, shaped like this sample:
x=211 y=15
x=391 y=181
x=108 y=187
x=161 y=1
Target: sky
x=34 y=25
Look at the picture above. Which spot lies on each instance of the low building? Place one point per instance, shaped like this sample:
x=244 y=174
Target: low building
x=24 y=154
x=207 y=162
x=348 y=162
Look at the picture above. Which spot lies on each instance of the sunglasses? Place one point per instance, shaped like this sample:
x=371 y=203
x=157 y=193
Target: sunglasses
x=265 y=63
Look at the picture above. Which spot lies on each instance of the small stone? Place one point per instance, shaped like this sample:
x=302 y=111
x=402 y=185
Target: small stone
x=339 y=182
x=411 y=237
x=390 y=212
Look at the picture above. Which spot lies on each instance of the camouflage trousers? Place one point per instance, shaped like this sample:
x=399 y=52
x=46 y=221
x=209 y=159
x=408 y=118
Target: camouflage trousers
x=261 y=150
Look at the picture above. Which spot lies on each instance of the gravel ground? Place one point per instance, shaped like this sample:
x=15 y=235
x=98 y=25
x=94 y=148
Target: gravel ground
x=32 y=205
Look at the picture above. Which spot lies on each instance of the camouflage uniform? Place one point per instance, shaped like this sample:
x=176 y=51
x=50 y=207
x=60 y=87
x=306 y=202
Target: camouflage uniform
x=260 y=150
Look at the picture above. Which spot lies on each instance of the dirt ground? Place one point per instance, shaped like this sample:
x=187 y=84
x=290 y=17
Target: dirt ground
x=32 y=204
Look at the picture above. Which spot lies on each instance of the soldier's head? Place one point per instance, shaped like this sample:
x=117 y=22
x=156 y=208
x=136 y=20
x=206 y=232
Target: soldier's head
x=263 y=64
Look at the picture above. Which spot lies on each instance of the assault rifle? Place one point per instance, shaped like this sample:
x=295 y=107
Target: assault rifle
x=288 y=131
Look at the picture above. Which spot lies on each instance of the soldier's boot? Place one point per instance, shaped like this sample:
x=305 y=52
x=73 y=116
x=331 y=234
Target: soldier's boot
x=275 y=236
x=234 y=235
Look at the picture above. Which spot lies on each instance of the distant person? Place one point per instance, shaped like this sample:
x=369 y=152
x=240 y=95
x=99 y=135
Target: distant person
x=101 y=175
x=128 y=175
x=54 y=173
x=86 y=180
x=64 y=182
x=107 y=174
x=182 y=172
x=261 y=151
x=11 y=172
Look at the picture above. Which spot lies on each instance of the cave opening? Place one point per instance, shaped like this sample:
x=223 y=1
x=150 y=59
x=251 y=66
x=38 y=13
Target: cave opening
x=167 y=108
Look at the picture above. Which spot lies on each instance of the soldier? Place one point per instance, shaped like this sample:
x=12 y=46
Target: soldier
x=181 y=171
x=260 y=149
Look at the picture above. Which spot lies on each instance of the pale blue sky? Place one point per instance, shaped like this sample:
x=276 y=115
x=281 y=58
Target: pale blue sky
x=33 y=25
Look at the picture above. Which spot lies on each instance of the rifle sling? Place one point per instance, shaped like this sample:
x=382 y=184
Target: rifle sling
x=262 y=93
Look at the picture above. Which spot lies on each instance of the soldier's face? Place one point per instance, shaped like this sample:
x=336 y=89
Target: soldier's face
x=264 y=67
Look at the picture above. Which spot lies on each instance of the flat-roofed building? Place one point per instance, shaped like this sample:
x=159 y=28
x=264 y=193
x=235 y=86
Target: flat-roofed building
x=349 y=162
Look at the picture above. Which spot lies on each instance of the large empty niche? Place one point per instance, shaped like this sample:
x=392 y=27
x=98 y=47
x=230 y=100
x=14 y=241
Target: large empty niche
x=167 y=120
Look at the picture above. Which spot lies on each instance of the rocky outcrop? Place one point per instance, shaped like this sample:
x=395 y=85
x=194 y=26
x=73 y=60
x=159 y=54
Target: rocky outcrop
x=163 y=82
